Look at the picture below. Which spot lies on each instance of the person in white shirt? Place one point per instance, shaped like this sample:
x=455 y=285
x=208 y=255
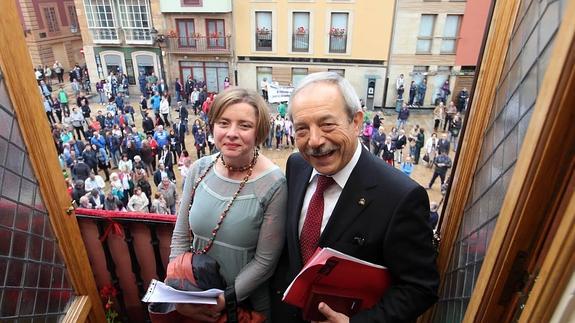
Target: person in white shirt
x=96 y=199
x=185 y=170
x=264 y=85
x=165 y=110
x=138 y=202
x=399 y=82
x=125 y=163
x=94 y=182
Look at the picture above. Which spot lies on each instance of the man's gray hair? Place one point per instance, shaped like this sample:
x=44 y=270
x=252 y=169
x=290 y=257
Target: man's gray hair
x=352 y=103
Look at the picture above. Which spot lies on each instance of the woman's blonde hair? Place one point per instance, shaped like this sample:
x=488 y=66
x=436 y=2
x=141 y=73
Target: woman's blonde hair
x=234 y=95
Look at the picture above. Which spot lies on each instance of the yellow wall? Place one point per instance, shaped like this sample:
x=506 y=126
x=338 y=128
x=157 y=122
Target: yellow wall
x=369 y=27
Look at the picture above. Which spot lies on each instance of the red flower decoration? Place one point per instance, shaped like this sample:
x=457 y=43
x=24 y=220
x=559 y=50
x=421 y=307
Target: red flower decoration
x=108 y=291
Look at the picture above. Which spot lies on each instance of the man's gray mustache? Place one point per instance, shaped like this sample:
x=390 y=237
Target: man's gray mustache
x=320 y=151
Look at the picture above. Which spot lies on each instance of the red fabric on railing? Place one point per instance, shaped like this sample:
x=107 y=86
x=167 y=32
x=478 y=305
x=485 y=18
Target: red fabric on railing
x=127 y=215
x=113 y=227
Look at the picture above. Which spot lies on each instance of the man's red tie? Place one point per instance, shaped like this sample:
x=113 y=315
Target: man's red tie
x=311 y=229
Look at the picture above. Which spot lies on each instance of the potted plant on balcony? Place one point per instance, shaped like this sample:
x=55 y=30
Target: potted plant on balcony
x=301 y=31
x=337 y=32
x=172 y=34
x=263 y=31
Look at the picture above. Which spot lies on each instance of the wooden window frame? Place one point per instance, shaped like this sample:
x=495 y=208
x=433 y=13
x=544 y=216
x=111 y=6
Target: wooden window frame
x=43 y=159
x=191 y=41
x=48 y=6
x=223 y=32
x=537 y=214
x=539 y=202
x=72 y=20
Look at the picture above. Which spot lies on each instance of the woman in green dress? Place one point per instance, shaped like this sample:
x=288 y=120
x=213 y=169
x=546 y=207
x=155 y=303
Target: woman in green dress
x=233 y=205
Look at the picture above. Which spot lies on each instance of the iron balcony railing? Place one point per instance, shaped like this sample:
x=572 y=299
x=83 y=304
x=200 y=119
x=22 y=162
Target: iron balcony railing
x=338 y=43
x=300 y=42
x=264 y=40
x=200 y=44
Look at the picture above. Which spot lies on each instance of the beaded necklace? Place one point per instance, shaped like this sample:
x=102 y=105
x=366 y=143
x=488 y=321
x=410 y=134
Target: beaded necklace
x=241 y=168
x=227 y=209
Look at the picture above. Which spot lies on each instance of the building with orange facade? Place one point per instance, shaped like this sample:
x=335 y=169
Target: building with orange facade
x=52 y=32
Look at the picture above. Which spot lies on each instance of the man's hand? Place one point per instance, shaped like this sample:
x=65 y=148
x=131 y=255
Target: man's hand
x=331 y=315
x=204 y=313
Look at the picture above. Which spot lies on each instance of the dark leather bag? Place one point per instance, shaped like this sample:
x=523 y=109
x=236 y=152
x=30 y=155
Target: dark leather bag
x=195 y=272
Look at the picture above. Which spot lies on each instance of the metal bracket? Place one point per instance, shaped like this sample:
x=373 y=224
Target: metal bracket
x=71 y=208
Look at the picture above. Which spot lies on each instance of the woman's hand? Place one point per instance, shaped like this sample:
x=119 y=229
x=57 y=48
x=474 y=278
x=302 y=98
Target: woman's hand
x=204 y=313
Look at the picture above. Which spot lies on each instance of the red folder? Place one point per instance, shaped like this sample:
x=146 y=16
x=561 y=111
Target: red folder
x=345 y=283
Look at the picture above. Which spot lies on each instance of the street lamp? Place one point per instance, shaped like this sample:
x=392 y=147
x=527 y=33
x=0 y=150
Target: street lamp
x=159 y=39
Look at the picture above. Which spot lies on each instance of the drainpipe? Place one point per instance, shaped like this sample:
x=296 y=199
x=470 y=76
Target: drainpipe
x=386 y=81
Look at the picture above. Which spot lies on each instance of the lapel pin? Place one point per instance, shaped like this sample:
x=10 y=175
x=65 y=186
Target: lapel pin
x=361 y=201
x=359 y=240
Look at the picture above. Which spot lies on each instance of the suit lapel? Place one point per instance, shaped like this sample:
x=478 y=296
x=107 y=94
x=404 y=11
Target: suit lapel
x=297 y=194
x=353 y=200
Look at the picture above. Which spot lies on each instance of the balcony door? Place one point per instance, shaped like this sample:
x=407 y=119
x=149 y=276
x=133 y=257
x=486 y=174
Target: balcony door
x=44 y=268
x=186 y=33
x=216 y=33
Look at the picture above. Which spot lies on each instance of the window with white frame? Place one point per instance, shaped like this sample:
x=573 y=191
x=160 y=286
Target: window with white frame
x=450 y=34
x=300 y=38
x=425 y=37
x=51 y=19
x=135 y=20
x=101 y=22
x=297 y=75
x=338 y=32
x=264 y=30
x=339 y=71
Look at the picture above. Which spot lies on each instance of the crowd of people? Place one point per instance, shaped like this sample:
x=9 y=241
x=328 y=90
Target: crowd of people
x=104 y=138
x=417 y=91
x=112 y=163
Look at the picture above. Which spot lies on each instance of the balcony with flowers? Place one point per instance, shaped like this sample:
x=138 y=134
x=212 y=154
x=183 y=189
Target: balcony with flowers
x=337 y=40
x=213 y=43
x=300 y=40
x=263 y=39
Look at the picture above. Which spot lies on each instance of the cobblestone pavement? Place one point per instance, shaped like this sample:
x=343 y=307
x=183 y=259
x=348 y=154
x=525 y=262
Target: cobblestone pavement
x=421 y=173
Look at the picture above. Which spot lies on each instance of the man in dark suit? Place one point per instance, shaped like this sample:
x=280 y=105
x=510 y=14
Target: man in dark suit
x=180 y=131
x=162 y=88
x=368 y=210
x=443 y=144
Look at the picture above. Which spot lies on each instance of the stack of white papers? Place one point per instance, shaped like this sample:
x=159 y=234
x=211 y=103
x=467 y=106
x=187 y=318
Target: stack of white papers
x=159 y=292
